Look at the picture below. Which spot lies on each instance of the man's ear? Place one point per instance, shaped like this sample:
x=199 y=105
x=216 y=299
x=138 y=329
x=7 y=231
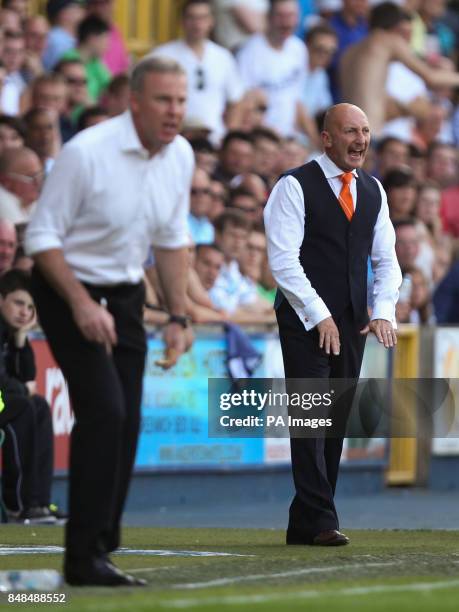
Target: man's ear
x=326 y=139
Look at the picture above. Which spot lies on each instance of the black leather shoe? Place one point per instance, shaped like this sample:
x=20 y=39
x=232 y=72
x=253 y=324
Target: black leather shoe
x=332 y=537
x=97 y=571
x=136 y=581
x=296 y=537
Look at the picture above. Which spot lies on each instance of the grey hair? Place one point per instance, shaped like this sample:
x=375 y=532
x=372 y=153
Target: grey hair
x=158 y=64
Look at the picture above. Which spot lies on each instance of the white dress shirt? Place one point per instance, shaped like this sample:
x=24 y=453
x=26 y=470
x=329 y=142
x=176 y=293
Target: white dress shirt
x=105 y=202
x=285 y=226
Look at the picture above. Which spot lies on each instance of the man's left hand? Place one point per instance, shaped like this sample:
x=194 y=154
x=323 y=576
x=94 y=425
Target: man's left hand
x=383 y=331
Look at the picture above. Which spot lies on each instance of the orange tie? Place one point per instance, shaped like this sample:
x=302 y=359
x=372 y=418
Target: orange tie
x=345 y=196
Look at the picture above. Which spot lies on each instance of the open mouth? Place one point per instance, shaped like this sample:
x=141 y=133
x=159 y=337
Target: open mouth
x=356 y=154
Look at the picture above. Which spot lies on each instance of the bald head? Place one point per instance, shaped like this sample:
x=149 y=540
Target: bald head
x=19 y=161
x=346 y=136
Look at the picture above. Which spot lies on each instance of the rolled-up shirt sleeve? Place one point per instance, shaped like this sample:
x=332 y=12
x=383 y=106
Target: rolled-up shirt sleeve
x=285 y=221
x=387 y=273
x=59 y=202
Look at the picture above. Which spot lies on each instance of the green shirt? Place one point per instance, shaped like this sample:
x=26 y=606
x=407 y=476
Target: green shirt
x=97 y=73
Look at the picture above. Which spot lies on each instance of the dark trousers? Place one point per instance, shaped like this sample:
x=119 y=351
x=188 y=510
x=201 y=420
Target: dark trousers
x=315 y=461
x=105 y=391
x=27 y=453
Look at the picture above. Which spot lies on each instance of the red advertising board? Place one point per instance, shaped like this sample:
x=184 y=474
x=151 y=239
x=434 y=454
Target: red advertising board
x=52 y=385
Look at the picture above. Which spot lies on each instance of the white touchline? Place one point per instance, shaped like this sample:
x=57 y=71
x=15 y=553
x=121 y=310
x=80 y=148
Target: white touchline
x=253 y=599
x=297 y=572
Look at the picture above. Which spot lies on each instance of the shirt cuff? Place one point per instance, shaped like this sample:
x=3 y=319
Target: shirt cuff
x=384 y=310
x=313 y=314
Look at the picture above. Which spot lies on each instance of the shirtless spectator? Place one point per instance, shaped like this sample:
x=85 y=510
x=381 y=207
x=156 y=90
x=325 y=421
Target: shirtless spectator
x=237 y=20
x=276 y=62
x=364 y=67
x=8 y=244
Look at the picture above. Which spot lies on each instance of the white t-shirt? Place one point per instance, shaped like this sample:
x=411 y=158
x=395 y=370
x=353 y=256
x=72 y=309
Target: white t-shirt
x=12 y=89
x=316 y=93
x=213 y=81
x=403 y=85
x=280 y=73
x=227 y=30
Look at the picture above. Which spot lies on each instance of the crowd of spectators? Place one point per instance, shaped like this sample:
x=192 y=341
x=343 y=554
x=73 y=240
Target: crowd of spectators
x=261 y=74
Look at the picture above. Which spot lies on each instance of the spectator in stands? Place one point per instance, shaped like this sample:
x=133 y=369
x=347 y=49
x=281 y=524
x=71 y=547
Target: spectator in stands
x=351 y=26
x=21 y=176
x=28 y=450
x=12 y=133
x=428 y=128
x=43 y=136
x=427 y=209
x=276 y=63
x=208 y=263
x=116 y=98
x=8 y=244
x=363 y=67
x=255 y=107
x=215 y=89
x=437 y=38
x=64 y=16
x=442 y=164
x=219 y=197
x=244 y=200
x=232 y=291
x=392 y=153
x=407 y=243
x=21 y=7
x=92 y=40
x=265 y=154
x=322 y=44
x=47 y=91
x=13 y=56
x=74 y=74
x=443 y=260
x=10 y=21
x=36 y=30
x=91 y=116
x=202 y=230
x=446 y=297
x=401 y=188
x=236 y=156
x=421 y=299
x=254 y=261
x=237 y=20
x=293 y=154
x=116 y=57
x=205 y=154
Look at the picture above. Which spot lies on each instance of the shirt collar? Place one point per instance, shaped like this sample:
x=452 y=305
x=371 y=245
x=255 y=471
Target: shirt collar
x=130 y=139
x=330 y=169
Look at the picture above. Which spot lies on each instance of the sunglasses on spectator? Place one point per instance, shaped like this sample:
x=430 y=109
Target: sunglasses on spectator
x=196 y=191
x=26 y=179
x=200 y=79
x=77 y=81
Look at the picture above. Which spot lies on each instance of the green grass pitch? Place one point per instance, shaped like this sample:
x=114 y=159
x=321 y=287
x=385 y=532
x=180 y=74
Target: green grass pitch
x=379 y=571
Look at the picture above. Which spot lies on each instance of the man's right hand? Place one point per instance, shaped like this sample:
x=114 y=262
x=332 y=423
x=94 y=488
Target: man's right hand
x=328 y=336
x=95 y=323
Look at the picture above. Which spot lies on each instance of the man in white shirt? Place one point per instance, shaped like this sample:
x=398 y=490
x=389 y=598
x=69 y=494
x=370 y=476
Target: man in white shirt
x=214 y=85
x=276 y=62
x=322 y=220
x=115 y=190
x=13 y=56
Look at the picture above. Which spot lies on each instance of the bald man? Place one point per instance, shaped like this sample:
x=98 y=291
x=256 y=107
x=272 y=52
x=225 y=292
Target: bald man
x=364 y=67
x=21 y=176
x=322 y=221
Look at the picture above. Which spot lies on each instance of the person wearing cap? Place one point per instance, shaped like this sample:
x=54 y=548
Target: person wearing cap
x=64 y=16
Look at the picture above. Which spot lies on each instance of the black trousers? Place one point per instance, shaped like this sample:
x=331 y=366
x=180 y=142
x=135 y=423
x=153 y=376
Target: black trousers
x=27 y=453
x=315 y=461
x=105 y=391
